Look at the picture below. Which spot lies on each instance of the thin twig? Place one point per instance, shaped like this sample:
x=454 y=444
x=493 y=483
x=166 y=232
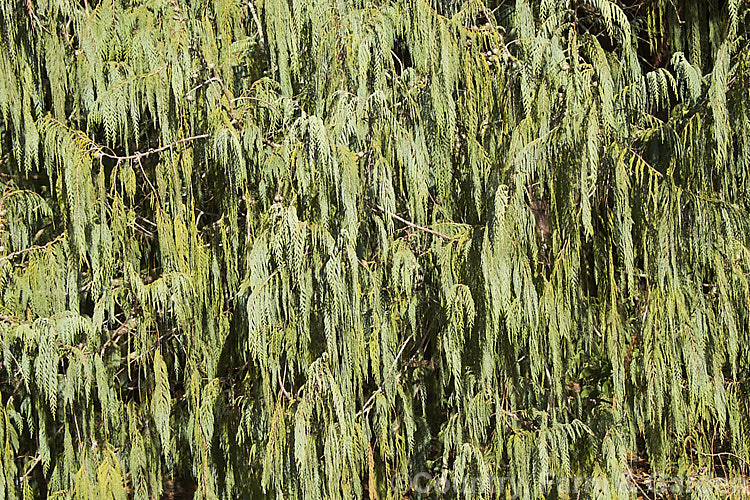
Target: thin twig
x=15 y=389
x=31 y=469
x=245 y=97
x=227 y=96
x=140 y=154
x=281 y=385
x=125 y=327
x=732 y=455
x=199 y=86
x=217 y=78
x=143 y=171
x=415 y=226
x=25 y=250
x=257 y=24
x=368 y=403
x=645 y=162
x=635 y=481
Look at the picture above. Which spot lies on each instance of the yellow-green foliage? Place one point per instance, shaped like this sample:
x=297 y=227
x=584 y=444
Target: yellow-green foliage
x=290 y=248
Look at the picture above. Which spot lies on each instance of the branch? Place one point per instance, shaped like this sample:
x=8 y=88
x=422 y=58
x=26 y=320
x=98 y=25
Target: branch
x=15 y=389
x=211 y=66
x=31 y=469
x=257 y=24
x=281 y=385
x=731 y=455
x=368 y=404
x=124 y=327
x=140 y=154
x=227 y=95
x=415 y=226
x=25 y=250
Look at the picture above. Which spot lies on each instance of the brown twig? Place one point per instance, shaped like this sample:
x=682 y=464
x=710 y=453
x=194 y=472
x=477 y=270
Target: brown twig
x=15 y=254
x=415 y=226
x=217 y=78
x=368 y=404
x=257 y=24
x=140 y=154
x=281 y=385
x=31 y=469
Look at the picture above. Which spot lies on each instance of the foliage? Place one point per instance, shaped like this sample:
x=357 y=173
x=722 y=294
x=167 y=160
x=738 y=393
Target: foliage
x=291 y=248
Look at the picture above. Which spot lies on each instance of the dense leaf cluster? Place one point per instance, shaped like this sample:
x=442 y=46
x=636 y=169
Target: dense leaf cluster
x=291 y=248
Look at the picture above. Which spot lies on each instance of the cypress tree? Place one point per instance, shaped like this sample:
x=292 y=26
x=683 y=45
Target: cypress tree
x=307 y=249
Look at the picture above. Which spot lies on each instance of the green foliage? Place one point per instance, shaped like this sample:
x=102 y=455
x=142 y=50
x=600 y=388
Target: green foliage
x=285 y=248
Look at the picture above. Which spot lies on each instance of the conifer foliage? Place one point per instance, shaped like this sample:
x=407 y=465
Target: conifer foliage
x=291 y=248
